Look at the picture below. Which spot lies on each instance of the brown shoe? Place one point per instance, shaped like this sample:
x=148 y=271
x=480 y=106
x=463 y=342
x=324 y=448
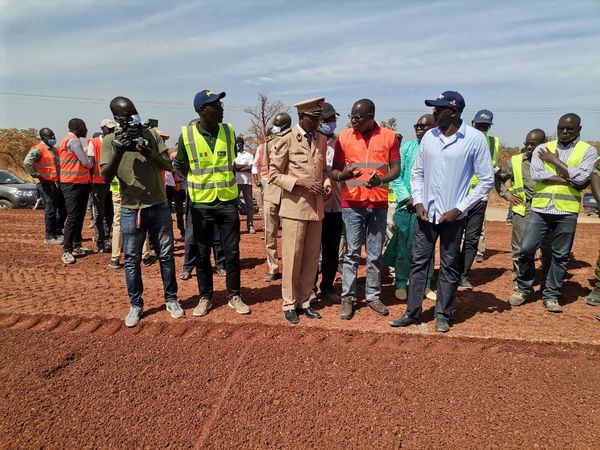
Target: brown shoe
x=346 y=308
x=378 y=307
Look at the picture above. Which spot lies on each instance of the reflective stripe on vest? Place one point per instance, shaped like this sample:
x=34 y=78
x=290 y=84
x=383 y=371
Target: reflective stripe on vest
x=97 y=177
x=211 y=175
x=71 y=169
x=566 y=198
x=374 y=158
x=46 y=165
x=493 y=143
x=518 y=189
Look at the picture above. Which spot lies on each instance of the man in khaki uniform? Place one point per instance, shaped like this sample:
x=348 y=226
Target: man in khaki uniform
x=298 y=168
x=271 y=194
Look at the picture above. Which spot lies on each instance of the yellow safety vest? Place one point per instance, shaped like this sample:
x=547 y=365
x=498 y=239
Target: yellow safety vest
x=211 y=173
x=566 y=198
x=518 y=189
x=114 y=185
x=494 y=146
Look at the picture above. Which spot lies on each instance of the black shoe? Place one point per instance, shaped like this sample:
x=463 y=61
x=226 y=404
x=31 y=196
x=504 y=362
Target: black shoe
x=149 y=260
x=311 y=313
x=272 y=276
x=404 y=321
x=465 y=284
x=291 y=316
x=441 y=325
x=185 y=276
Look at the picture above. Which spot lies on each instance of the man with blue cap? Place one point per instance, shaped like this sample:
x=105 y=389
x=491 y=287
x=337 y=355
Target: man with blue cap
x=473 y=246
x=206 y=154
x=449 y=155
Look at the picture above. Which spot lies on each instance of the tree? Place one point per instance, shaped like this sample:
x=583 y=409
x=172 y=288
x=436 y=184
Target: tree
x=260 y=116
x=14 y=146
x=391 y=123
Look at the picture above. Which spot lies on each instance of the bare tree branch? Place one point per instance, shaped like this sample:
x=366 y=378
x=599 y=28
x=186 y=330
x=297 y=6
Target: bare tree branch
x=261 y=116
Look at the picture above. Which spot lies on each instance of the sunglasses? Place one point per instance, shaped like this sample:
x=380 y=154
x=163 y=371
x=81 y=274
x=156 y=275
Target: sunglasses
x=420 y=126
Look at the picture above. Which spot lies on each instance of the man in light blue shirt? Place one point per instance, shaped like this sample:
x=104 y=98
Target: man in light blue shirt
x=448 y=157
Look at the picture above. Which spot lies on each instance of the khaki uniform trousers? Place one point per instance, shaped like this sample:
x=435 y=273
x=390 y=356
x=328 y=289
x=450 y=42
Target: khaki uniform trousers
x=271 y=224
x=301 y=242
x=117 y=240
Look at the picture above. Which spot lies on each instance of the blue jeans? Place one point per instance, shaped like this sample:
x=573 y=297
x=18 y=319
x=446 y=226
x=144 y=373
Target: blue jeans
x=358 y=224
x=156 y=222
x=538 y=225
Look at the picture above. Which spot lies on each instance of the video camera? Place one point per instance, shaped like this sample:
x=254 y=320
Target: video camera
x=130 y=136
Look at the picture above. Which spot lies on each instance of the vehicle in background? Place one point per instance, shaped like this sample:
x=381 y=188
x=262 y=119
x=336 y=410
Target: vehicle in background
x=589 y=202
x=16 y=193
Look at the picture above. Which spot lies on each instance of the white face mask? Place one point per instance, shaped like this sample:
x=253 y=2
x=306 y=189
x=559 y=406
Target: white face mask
x=276 y=130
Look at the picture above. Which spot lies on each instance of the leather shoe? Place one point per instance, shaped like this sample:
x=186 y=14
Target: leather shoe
x=377 y=306
x=441 y=325
x=291 y=316
x=404 y=321
x=272 y=276
x=185 y=276
x=311 y=313
x=346 y=308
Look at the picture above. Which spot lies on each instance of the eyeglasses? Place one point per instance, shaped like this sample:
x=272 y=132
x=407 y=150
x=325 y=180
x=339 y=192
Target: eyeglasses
x=359 y=118
x=420 y=126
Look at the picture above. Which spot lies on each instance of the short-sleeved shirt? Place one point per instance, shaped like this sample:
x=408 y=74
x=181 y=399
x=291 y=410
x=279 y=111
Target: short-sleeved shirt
x=140 y=180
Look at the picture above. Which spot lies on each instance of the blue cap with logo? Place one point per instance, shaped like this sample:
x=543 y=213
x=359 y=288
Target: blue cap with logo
x=448 y=99
x=483 y=116
x=206 y=96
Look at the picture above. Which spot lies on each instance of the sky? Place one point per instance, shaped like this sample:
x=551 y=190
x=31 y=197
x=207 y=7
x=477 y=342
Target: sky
x=528 y=62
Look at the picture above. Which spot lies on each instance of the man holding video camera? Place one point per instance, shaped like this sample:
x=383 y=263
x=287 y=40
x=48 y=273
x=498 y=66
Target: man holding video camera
x=136 y=155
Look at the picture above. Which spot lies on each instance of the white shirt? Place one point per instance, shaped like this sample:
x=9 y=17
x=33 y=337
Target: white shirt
x=244 y=158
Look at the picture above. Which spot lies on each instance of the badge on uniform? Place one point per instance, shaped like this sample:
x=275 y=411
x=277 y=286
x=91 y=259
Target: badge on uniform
x=221 y=154
x=299 y=137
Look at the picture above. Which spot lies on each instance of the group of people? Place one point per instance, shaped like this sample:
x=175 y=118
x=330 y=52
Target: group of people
x=326 y=192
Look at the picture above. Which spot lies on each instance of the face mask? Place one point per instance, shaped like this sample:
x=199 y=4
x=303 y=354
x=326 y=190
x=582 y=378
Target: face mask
x=51 y=142
x=135 y=120
x=276 y=130
x=327 y=127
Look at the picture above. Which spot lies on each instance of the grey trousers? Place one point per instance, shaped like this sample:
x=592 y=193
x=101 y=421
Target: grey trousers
x=518 y=229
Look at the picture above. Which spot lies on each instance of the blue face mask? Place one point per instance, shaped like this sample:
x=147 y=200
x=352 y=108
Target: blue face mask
x=135 y=120
x=327 y=127
x=51 y=142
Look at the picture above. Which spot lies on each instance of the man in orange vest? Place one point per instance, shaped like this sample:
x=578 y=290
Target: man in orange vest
x=367 y=158
x=75 y=185
x=42 y=164
x=101 y=195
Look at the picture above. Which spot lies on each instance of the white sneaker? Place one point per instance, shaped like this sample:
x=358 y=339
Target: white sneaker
x=430 y=294
x=68 y=258
x=401 y=294
x=240 y=307
x=175 y=309
x=134 y=316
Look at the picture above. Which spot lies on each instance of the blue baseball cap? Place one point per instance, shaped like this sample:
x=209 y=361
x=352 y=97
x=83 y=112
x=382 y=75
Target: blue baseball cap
x=448 y=99
x=483 y=116
x=204 y=97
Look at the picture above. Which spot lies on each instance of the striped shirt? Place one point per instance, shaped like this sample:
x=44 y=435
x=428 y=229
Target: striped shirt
x=578 y=176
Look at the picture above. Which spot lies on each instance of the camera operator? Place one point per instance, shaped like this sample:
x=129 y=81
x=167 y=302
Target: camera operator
x=136 y=155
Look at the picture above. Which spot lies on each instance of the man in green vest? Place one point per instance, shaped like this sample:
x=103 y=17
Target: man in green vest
x=560 y=169
x=474 y=239
x=206 y=154
x=517 y=170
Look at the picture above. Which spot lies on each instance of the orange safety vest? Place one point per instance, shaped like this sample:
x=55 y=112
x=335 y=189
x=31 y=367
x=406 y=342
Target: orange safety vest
x=71 y=169
x=46 y=165
x=374 y=158
x=97 y=178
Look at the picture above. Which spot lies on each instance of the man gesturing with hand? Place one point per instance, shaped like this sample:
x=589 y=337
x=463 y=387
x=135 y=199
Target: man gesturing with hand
x=449 y=156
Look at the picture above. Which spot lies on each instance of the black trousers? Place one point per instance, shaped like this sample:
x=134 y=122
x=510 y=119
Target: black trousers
x=424 y=239
x=333 y=225
x=190 y=256
x=178 y=200
x=473 y=227
x=227 y=221
x=103 y=212
x=54 y=209
x=76 y=199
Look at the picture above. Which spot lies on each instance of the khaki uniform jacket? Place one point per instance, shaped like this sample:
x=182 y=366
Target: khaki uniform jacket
x=293 y=159
x=271 y=192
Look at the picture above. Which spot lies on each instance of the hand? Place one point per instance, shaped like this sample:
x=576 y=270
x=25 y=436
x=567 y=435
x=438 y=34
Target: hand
x=257 y=183
x=349 y=172
x=409 y=205
x=513 y=200
x=312 y=186
x=374 y=181
x=327 y=187
x=548 y=156
x=449 y=216
x=421 y=213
